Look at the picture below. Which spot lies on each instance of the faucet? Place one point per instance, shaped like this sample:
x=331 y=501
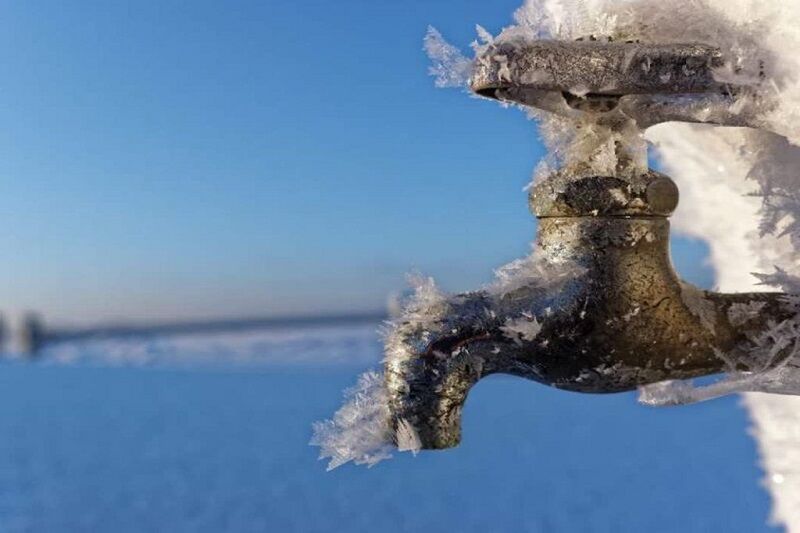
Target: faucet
x=599 y=308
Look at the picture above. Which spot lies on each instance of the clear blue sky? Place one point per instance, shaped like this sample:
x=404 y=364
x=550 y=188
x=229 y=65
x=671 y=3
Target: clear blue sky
x=165 y=159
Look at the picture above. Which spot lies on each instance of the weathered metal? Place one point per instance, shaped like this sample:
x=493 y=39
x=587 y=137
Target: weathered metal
x=600 y=68
x=622 y=318
x=649 y=83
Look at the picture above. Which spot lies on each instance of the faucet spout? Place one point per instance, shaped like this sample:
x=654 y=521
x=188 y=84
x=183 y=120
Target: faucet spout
x=431 y=365
x=443 y=346
x=429 y=370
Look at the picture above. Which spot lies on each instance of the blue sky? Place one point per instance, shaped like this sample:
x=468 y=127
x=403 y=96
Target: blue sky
x=165 y=159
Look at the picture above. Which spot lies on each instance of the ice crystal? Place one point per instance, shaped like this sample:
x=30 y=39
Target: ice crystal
x=359 y=431
x=450 y=67
x=741 y=313
x=532 y=270
x=525 y=328
x=699 y=306
x=407 y=437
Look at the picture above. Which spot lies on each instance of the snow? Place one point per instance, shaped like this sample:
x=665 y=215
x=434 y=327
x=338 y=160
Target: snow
x=293 y=346
x=776 y=428
x=127 y=448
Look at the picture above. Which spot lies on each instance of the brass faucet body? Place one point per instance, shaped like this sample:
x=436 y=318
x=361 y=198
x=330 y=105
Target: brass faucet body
x=620 y=317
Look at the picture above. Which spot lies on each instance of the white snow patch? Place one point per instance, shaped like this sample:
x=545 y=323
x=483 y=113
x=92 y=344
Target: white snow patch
x=323 y=345
x=776 y=428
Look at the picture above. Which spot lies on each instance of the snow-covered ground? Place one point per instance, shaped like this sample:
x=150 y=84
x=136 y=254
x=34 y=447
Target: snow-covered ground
x=318 y=344
x=212 y=436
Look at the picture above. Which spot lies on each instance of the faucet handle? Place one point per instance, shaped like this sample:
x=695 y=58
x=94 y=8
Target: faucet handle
x=649 y=83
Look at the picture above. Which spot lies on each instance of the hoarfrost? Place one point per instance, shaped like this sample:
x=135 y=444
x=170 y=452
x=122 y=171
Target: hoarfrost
x=526 y=328
x=699 y=306
x=742 y=313
x=531 y=270
x=450 y=67
x=426 y=304
x=771 y=360
x=484 y=36
x=630 y=314
x=359 y=431
x=407 y=437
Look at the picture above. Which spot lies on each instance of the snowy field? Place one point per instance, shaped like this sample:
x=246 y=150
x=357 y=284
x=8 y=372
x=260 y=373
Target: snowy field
x=210 y=434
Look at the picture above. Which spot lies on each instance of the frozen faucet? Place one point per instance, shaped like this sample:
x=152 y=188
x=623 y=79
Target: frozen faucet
x=617 y=315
